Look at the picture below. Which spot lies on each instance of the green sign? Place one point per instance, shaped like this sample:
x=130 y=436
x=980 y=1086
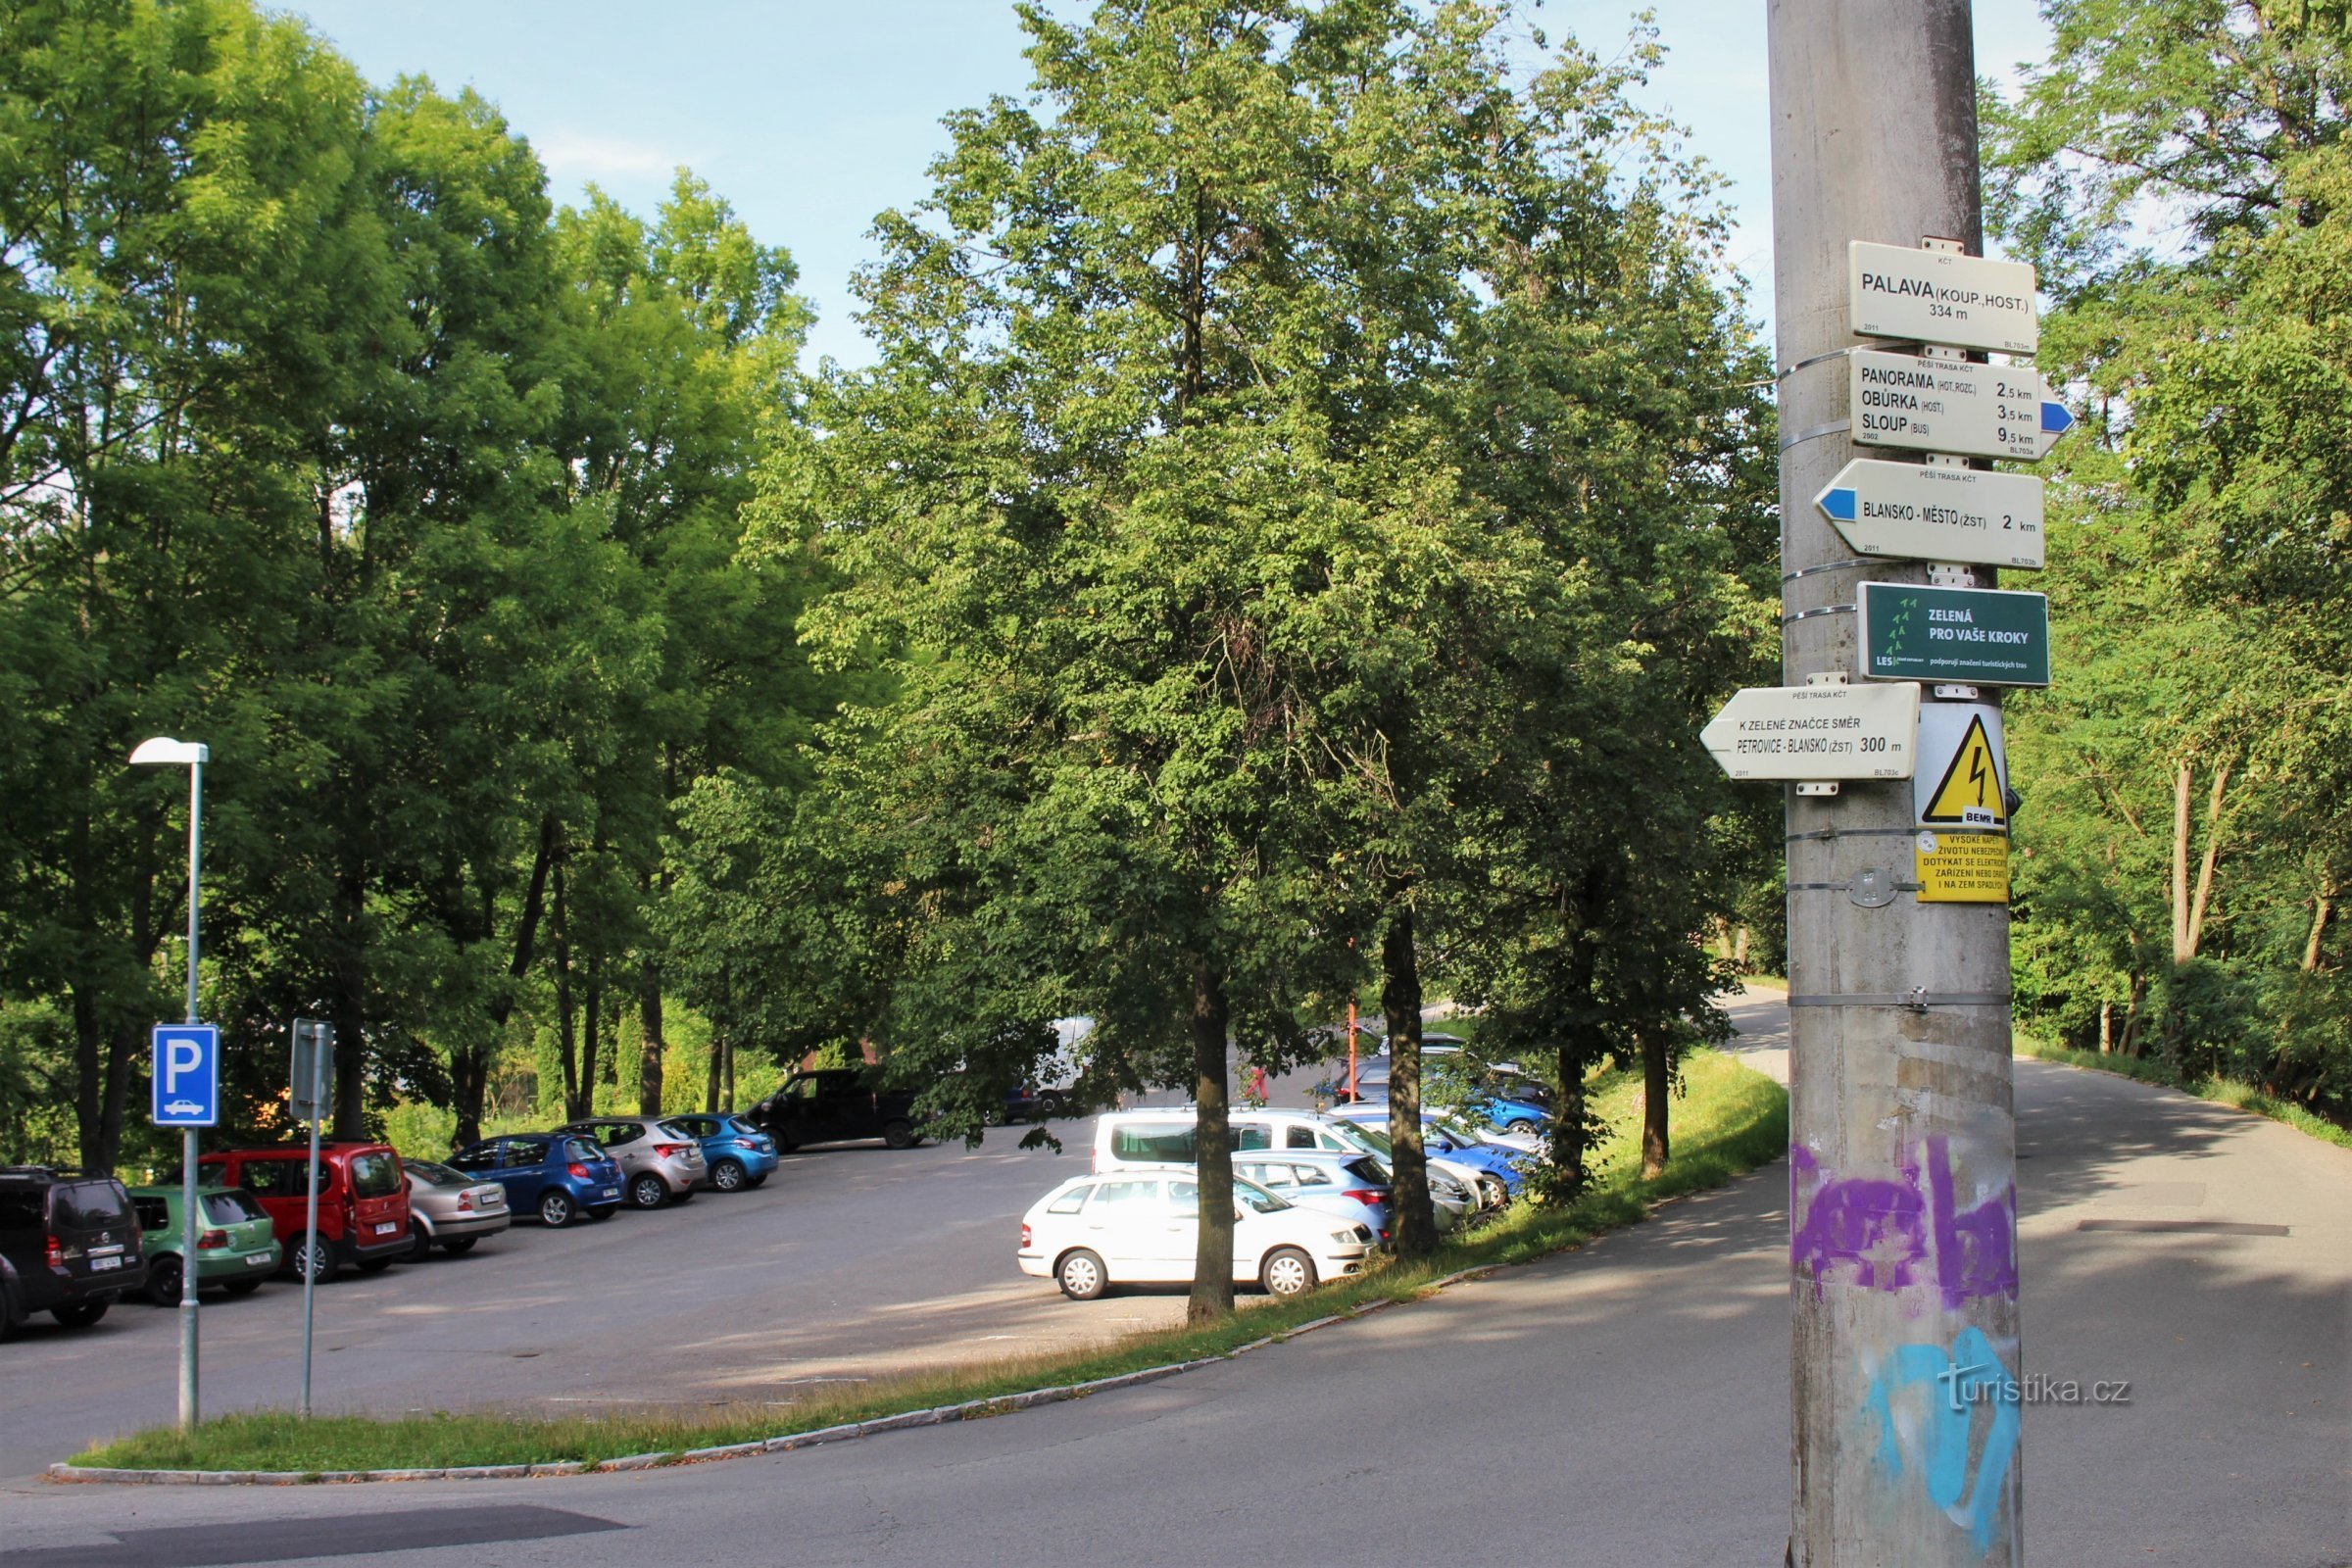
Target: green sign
x=1954 y=636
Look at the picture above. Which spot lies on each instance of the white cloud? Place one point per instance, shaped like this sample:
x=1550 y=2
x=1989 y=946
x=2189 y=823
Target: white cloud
x=586 y=157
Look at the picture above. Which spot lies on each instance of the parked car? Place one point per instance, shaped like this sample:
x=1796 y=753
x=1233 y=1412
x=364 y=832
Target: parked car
x=451 y=1208
x=834 y=1104
x=735 y=1154
x=362 y=1203
x=659 y=1163
x=236 y=1246
x=1351 y=1187
x=69 y=1246
x=1151 y=1138
x=557 y=1176
x=1143 y=1227
x=1451 y=1141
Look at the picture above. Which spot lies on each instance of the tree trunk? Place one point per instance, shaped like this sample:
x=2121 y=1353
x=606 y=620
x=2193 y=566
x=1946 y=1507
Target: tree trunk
x=2322 y=904
x=562 y=932
x=470 y=1066
x=2106 y=1028
x=1401 y=1001
x=2182 y=951
x=347 y=1010
x=1213 y=1257
x=1570 y=1137
x=89 y=1080
x=2213 y=854
x=727 y=1102
x=591 y=1034
x=650 y=1044
x=1739 y=939
x=710 y=1081
x=1654 y=1104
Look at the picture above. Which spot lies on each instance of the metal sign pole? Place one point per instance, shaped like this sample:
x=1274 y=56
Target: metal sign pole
x=190 y=1410
x=310 y=1242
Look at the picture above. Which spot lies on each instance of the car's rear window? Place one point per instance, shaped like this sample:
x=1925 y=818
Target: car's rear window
x=1071 y=1201
x=433 y=1173
x=1154 y=1142
x=1367 y=1171
x=86 y=1206
x=582 y=1149
x=375 y=1175
x=229 y=1209
x=20 y=1210
x=154 y=1212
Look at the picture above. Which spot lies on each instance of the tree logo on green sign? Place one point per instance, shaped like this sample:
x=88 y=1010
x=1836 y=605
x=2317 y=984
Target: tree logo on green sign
x=1898 y=625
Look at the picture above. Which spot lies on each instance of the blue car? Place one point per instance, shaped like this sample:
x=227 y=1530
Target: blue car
x=735 y=1154
x=1436 y=1139
x=557 y=1176
x=1504 y=1114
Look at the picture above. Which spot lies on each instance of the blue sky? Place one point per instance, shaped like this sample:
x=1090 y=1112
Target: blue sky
x=811 y=118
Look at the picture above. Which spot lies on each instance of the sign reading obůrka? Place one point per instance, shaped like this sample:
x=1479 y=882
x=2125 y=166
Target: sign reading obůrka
x=1957 y=636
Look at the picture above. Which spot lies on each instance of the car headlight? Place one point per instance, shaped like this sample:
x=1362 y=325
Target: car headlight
x=1343 y=1237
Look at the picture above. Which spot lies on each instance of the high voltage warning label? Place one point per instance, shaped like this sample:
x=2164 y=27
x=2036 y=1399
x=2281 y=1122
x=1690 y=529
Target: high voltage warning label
x=1969 y=795
x=1962 y=867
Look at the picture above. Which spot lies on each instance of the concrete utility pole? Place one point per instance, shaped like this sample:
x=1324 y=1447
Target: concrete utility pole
x=1904 y=1343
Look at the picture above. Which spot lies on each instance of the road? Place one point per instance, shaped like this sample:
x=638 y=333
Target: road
x=1626 y=1403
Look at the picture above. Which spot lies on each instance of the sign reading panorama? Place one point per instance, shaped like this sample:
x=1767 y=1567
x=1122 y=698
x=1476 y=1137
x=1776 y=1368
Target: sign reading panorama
x=1935 y=296
x=1937 y=405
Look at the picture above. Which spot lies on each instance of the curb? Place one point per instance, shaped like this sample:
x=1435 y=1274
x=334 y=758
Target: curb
x=936 y=1416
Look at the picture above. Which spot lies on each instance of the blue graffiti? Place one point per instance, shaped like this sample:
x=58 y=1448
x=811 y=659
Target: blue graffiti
x=1970 y=1374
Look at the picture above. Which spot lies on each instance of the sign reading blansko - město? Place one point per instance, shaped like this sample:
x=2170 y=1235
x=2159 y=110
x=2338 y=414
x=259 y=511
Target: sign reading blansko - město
x=1937 y=513
x=1931 y=295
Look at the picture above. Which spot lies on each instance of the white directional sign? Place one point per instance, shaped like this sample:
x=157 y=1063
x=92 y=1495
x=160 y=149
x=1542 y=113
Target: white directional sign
x=1935 y=404
x=1935 y=513
x=1817 y=732
x=1964 y=302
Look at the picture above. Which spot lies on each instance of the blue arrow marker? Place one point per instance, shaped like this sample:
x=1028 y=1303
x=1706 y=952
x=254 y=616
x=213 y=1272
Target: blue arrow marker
x=2056 y=419
x=1837 y=503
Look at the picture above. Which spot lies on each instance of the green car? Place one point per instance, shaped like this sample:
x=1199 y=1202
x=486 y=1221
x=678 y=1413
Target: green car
x=236 y=1248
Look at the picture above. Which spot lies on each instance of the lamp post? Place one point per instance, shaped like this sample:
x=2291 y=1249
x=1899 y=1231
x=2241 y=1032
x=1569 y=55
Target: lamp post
x=164 y=750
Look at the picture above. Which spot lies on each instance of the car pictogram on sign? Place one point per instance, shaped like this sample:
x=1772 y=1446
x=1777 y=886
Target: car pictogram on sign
x=183 y=1107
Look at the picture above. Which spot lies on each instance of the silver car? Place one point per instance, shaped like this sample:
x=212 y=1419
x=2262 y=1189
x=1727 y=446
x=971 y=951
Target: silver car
x=450 y=1209
x=659 y=1163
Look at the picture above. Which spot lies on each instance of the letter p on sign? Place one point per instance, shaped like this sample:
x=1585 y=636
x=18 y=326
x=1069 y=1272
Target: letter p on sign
x=187 y=1075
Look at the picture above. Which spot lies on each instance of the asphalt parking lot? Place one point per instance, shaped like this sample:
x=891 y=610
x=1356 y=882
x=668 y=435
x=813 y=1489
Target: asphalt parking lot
x=853 y=1260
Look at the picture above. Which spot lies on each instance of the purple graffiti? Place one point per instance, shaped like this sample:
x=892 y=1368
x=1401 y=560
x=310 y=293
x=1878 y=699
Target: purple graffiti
x=1889 y=1234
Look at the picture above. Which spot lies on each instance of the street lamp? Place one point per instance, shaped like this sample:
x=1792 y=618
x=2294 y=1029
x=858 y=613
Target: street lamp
x=164 y=750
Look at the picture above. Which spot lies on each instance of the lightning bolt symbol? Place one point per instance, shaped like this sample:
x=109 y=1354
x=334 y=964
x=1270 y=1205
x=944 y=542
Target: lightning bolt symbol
x=1976 y=773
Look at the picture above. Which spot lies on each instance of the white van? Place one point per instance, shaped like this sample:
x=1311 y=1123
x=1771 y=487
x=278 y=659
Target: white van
x=1143 y=1140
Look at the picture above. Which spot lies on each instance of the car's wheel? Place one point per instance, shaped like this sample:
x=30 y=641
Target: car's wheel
x=244 y=1287
x=460 y=1246
x=312 y=1254
x=374 y=1265
x=1287 y=1271
x=163 y=1281
x=1049 y=1105
x=421 y=1243
x=898 y=1134
x=647 y=1191
x=81 y=1314
x=555 y=1209
x=727 y=1176
x=1080 y=1275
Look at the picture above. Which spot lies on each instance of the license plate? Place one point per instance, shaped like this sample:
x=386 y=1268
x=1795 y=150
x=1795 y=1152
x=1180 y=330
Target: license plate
x=611 y=1191
x=258 y=1261
x=387 y=1227
x=98 y=1263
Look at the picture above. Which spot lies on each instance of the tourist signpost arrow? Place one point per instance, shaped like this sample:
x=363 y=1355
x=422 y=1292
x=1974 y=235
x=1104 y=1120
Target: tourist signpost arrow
x=1937 y=513
x=1940 y=404
x=1816 y=732
x=1939 y=296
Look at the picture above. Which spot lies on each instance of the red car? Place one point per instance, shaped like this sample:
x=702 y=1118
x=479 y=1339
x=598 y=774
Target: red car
x=363 y=1201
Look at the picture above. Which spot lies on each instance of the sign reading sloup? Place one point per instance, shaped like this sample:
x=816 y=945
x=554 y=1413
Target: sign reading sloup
x=1954 y=636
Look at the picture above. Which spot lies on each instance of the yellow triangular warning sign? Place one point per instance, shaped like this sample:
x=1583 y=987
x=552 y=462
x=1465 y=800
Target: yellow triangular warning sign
x=1970 y=794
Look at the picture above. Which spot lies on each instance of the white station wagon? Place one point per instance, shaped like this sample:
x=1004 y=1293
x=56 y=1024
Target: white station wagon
x=1136 y=1227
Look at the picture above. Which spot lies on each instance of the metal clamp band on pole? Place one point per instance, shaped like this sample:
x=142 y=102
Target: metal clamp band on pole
x=1816 y=433
x=1811 y=359
x=1808 y=615
x=1858 y=563
x=1849 y=833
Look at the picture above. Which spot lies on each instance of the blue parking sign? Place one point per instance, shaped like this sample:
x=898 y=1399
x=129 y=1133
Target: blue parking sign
x=187 y=1074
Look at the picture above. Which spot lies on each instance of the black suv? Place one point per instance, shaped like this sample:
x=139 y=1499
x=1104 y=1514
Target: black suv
x=69 y=1246
x=833 y=1103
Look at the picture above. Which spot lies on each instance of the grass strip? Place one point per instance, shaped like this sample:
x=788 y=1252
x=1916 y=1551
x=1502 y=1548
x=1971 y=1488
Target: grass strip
x=1729 y=1120
x=2220 y=1090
